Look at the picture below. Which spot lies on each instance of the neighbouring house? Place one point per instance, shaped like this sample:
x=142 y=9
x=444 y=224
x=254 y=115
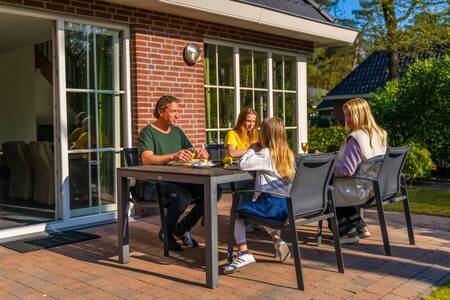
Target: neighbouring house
x=80 y=78
x=370 y=75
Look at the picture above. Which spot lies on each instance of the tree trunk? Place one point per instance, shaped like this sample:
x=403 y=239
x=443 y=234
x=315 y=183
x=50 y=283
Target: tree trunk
x=394 y=63
x=391 y=27
x=356 y=52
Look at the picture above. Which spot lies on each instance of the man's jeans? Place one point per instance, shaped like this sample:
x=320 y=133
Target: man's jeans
x=178 y=196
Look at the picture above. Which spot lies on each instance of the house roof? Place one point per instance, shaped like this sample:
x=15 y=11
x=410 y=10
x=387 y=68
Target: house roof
x=302 y=8
x=297 y=19
x=371 y=74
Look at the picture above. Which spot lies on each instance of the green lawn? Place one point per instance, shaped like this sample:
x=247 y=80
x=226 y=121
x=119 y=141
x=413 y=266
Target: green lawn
x=442 y=293
x=426 y=201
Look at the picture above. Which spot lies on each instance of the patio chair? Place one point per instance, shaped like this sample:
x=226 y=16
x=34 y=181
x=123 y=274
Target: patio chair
x=310 y=198
x=137 y=195
x=215 y=151
x=136 y=189
x=389 y=182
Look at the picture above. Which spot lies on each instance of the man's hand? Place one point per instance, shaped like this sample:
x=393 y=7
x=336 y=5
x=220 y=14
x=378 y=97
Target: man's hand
x=202 y=153
x=183 y=155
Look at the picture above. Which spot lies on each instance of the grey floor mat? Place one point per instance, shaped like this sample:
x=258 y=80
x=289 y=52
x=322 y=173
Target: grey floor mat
x=52 y=240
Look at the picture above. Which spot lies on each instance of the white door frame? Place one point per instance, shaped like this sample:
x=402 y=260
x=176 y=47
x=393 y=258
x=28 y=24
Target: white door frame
x=62 y=200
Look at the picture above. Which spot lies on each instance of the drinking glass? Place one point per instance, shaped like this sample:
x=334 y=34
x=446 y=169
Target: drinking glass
x=193 y=152
x=305 y=148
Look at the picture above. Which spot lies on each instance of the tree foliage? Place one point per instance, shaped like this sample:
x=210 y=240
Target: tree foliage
x=417 y=107
x=396 y=26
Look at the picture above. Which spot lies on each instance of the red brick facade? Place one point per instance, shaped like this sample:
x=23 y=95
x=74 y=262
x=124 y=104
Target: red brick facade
x=157 y=43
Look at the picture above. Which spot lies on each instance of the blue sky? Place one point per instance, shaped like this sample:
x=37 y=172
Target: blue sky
x=344 y=8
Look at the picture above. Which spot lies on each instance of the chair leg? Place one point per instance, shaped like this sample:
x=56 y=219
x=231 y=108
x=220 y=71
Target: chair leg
x=162 y=215
x=295 y=248
x=234 y=205
x=319 y=233
x=407 y=212
x=380 y=209
x=337 y=242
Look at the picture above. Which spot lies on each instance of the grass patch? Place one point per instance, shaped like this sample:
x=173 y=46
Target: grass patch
x=440 y=293
x=426 y=201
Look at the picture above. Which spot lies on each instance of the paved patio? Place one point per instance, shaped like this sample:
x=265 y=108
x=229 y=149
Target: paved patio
x=90 y=270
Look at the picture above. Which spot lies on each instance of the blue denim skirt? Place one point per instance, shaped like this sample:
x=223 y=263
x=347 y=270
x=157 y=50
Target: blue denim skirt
x=266 y=206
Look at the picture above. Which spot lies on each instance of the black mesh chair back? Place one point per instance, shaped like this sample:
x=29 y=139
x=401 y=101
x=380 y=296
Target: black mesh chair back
x=390 y=171
x=131 y=157
x=309 y=190
x=215 y=151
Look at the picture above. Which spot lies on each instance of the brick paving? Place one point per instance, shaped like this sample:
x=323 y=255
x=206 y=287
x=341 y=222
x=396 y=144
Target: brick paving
x=90 y=270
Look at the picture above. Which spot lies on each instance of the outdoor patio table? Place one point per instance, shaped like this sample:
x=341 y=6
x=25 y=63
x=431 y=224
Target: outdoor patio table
x=209 y=178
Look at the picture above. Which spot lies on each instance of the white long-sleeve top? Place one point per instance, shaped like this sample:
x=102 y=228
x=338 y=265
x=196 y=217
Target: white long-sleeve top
x=267 y=177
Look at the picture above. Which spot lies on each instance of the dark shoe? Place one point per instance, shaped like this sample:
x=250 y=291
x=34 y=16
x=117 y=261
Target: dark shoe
x=351 y=237
x=185 y=237
x=173 y=244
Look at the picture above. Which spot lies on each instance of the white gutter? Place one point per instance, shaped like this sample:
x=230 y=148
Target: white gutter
x=251 y=17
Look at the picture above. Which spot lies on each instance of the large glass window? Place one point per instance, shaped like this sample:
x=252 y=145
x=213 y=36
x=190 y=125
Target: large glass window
x=253 y=81
x=284 y=93
x=252 y=87
x=94 y=97
x=219 y=91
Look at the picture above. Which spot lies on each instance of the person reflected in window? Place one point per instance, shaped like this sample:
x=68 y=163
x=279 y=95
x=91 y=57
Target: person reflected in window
x=366 y=140
x=274 y=164
x=162 y=142
x=75 y=134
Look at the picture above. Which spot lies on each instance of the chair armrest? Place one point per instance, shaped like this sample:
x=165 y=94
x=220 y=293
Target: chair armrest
x=356 y=177
x=259 y=191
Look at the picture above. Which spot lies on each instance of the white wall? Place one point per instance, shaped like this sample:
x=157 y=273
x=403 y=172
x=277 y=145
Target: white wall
x=25 y=99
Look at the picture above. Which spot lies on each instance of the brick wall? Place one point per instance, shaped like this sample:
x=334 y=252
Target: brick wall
x=158 y=68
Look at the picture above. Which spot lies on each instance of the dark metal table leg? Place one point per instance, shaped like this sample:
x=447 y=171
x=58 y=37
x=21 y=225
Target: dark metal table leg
x=122 y=216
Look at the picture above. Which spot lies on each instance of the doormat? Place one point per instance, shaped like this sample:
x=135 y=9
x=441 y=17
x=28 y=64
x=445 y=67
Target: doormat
x=49 y=241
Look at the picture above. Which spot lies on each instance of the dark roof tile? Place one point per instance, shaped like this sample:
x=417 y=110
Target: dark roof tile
x=303 y=8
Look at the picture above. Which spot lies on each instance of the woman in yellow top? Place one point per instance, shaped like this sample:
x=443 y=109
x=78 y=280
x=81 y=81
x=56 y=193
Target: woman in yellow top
x=243 y=135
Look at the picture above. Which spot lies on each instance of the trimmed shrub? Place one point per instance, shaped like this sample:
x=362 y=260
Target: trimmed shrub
x=418 y=163
x=321 y=121
x=326 y=139
x=417 y=107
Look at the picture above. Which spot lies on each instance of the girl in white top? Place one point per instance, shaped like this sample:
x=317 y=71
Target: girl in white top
x=273 y=162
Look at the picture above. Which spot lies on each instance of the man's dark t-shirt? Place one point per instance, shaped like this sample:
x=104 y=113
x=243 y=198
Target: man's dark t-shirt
x=162 y=143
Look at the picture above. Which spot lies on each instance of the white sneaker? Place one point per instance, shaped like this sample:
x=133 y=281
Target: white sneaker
x=282 y=251
x=241 y=260
x=351 y=237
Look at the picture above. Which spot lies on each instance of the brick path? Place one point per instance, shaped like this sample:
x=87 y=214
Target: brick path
x=89 y=270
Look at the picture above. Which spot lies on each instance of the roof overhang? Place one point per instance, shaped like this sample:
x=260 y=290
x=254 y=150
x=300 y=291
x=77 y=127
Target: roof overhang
x=251 y=17
x=343 y=97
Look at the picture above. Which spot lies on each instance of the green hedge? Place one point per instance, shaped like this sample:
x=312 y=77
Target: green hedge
x=326 y=139
x=418 y=162
x=417 y=107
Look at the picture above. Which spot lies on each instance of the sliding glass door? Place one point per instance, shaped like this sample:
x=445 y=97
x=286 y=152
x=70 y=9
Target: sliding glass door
x=94 y=97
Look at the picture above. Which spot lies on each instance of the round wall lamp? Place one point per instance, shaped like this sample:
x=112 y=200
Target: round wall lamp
x=192 y=53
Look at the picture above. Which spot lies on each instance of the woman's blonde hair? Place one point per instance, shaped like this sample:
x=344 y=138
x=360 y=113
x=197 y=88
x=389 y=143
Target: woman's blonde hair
x=273 y=136
x=362 y=118
x=247 y=137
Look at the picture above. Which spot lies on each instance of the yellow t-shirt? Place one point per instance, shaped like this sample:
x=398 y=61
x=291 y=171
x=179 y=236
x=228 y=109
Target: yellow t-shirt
x=232 y=138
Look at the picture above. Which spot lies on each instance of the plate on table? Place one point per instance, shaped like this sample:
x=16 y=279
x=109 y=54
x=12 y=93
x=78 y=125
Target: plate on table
x=204 y=164
x=178 y=163
x=231 y=167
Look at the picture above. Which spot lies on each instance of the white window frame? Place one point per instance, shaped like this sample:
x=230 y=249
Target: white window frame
x=300 y=84
x=62 y=210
